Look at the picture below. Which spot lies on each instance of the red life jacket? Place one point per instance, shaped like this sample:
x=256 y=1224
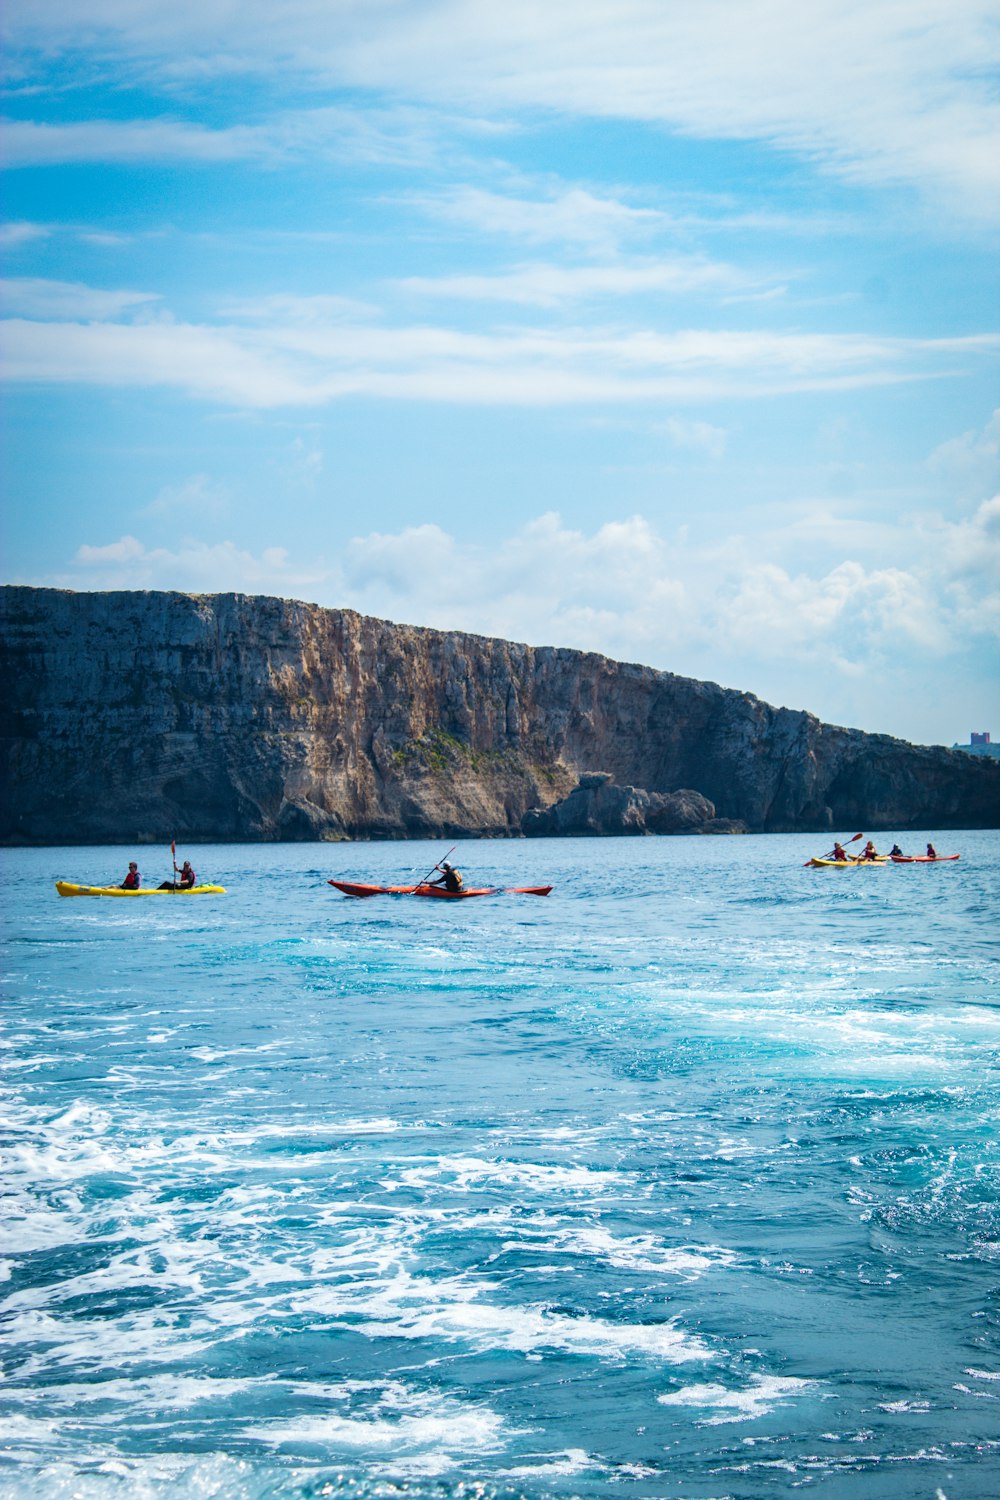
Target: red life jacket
x=132 y=881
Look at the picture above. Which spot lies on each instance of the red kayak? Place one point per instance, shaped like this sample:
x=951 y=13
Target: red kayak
x=922 y=859
x=437 y=891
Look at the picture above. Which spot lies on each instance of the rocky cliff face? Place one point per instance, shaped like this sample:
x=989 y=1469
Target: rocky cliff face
x=598 y=806
x=144 y=716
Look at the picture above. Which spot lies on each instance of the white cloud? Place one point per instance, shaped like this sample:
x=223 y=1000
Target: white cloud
x=28 y=143
x=199 y=495
x=550 y=285
x=391 y=136
x=21 y=232
x=971 y=462
x=303 y=464
x=890 y=91
x=972 y=547
x=126 y=550
x=207 y=363
x=284 y=307
x=194 y=566
x=33 y=297
x=573 y=216
x=686 y=433
x=314 y=359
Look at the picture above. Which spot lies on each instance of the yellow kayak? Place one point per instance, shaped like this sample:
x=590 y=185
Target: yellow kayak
x=66 y=888
x=849 y=864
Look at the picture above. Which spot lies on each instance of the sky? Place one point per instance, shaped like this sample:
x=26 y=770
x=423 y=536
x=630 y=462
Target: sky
x=662 y=330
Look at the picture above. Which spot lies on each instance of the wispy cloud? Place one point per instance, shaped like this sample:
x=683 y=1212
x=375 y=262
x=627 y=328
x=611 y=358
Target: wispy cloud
x=970 y=462
x=550 y=285
x=286 y=307
x=310 y=360
x=402 y=135
x=566 y=216
x=684 y=432
x=883 y=92
x=35 y=297
x=196 y=496
x=21 y=232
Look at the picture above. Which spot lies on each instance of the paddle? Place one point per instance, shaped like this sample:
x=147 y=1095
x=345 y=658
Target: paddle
x=853 y=840
x=430 y=872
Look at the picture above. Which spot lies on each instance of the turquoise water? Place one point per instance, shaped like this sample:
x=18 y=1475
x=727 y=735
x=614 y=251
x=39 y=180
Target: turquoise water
x=681 y=1182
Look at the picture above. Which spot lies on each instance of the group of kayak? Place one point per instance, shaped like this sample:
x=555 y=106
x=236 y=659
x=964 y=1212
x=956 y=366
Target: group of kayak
x=449 y=884
x=838 y=858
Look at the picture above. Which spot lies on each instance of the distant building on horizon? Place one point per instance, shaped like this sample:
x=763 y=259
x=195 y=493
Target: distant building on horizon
x=979 y=744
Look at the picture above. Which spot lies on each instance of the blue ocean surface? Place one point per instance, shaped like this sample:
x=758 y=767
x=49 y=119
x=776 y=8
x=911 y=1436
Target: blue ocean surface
x=679 y=1182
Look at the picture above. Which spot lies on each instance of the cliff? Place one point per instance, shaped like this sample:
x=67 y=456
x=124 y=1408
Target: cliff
x=597 y=806
x=144 y=716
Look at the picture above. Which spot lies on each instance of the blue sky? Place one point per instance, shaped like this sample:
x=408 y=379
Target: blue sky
x=661 y=330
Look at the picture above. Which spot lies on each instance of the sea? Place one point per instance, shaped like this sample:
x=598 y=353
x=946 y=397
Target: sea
x=680 y=1182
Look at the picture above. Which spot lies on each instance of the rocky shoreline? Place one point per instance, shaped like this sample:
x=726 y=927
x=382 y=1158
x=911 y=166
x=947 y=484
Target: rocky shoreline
x=140 y=717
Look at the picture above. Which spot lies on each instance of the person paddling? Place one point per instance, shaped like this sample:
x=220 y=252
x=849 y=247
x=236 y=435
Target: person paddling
x=187 y=880
x=931 y=852
x=839 y=852
x=870 y=852
x=450 y=878
x=133 y=880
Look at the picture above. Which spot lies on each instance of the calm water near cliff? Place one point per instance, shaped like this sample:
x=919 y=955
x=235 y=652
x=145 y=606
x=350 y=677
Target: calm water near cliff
x=681 y=1183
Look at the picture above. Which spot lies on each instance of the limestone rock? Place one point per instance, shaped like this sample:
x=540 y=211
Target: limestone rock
x=597 y=806
x=145 y=716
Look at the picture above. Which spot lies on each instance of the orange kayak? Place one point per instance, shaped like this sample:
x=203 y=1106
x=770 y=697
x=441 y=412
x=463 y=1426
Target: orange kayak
x=922 y=859
x=351 y=889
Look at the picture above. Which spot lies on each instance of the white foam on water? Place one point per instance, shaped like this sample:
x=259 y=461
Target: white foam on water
x=404 y=1432
x=216 y=1054
x=633 y=1253
x=147 y=1338
x=468 y=1171
x=155 y=1393
x=161 y=1477
x=183 y=1261
x=558 y=1465
x=455 y=1310
x=977 y=1395
x=764 y=1394
x=28 y=1225
x=984 y=1374
x=464 y=1432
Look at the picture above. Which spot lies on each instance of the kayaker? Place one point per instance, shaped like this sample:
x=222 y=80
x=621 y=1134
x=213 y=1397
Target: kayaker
x=896 y=852
x=931 y=852
x=451 y=878
x=870 y=852
x=133 y=880
x=187 y=880
x=839 y=852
